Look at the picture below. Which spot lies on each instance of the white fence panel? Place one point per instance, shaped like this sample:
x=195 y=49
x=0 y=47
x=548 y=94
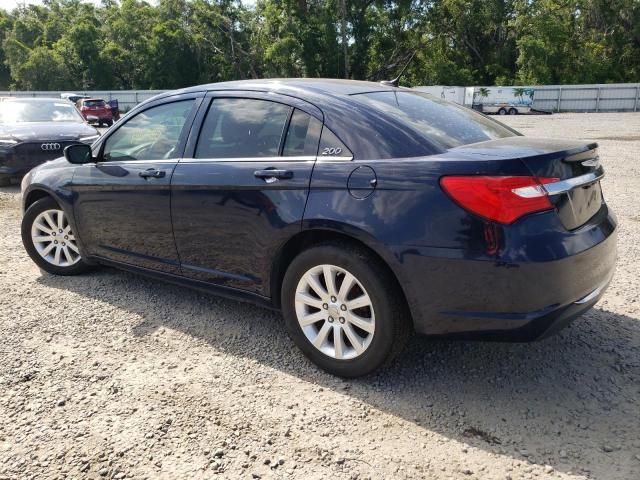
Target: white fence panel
x=127 y=99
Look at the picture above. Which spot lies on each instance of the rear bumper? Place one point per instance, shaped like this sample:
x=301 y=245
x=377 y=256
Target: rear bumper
x=453 y=293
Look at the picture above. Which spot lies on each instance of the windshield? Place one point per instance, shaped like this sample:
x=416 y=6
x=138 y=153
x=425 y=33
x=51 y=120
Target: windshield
x=445 y=123
x=25 y=112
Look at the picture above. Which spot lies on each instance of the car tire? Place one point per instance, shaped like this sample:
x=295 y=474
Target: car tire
x=358 y=352
x=502 y=111
x=513 y=111
x=49 y=241
x=109 y=123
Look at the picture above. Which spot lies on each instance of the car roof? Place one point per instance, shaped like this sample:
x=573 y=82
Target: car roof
x=331 y=86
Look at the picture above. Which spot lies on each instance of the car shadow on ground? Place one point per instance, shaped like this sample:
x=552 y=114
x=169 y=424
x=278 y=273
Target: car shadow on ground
x=570 y=401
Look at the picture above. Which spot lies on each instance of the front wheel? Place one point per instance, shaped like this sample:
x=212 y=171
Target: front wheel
x=343 y=310
x=49 y=240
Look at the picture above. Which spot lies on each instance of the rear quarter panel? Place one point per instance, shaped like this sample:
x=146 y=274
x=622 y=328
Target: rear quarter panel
x=445 y=258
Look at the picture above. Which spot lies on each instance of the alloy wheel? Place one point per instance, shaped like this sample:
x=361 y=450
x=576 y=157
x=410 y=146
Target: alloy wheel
x=335 y=312
x=53 y=239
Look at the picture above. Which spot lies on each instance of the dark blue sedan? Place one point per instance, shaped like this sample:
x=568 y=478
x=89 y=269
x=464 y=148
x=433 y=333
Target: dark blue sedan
x=362 y=211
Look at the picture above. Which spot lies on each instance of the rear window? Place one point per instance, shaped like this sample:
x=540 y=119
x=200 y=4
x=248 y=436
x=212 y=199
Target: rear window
x=442 y=122
x=94 y=103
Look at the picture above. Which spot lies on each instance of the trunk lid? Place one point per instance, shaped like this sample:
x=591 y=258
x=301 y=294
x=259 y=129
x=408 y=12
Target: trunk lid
x=577 y=195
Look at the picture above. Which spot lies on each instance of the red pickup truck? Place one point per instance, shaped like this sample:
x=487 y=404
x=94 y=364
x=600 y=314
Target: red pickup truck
x=95 y=110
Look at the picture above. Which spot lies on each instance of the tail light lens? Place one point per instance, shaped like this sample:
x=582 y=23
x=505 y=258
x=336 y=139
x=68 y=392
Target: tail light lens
x=500 y=199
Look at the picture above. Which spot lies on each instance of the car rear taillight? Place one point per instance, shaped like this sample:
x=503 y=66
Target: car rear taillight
x=500 y=199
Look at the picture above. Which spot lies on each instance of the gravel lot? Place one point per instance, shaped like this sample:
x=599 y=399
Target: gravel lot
x=110 y=375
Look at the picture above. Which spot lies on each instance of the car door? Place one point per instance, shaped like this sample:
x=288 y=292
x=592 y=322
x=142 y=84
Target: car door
x=122 y=205
x=244 y=189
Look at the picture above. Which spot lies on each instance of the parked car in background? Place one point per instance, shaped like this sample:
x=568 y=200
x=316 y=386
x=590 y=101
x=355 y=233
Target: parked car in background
x=72 y=97
x=34 y=130
x=362 y=211
x=115 y=109
x=95 y=110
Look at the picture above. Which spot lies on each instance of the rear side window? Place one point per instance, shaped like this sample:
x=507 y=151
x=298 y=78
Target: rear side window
x=442 y=122
x=242 y=128
x=302 y=136
x=332 y=146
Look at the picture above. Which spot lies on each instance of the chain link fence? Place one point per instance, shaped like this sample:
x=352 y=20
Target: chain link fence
x=588 y=98
x=623 y=97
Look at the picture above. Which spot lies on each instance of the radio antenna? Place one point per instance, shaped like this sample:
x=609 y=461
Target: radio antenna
x=396 y=81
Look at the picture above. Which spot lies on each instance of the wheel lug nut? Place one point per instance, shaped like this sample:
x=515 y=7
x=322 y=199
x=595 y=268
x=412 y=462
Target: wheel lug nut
x=343 y=307
x=325 y=306
x=330 y=319
x=341 y=319
x=333 y=299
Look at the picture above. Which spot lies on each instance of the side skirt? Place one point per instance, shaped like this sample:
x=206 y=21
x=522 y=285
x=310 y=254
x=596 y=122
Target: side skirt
x=218 y=290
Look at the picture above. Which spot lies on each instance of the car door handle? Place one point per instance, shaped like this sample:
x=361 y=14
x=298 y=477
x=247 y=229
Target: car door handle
x=152 y=173
x=268 y=173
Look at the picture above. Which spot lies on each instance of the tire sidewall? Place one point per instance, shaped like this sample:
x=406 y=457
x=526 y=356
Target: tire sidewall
x=362 y=267
x=27 y=221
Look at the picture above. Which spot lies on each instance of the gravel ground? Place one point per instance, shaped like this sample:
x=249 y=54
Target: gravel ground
x=110 y=375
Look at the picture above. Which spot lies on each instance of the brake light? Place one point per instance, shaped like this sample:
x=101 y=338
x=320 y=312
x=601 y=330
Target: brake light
x=500 y=199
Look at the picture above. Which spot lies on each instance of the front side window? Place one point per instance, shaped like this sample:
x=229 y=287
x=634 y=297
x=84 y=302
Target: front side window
x=153 y=134
x=442 y=122
x=242 y=128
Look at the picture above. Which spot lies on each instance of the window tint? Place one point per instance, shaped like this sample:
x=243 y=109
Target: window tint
x=238 y=128
x=150 y=135
x=302 y=136
x=331 y=146
x=443 y=122
x=94 y=103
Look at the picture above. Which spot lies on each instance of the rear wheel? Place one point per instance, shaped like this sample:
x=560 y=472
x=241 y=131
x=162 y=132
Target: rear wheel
x=49 y=240
x=502 y=111
x=343 y=310
x=513 y=111
x=109 y=123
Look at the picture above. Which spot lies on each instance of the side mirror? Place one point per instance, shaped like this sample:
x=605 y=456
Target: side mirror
x=78 y=154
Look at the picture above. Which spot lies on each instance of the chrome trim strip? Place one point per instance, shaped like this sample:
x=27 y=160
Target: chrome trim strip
x=302 y=158
x=136 y=162
x=590 y=296
x=564 y=186
x=333 y=158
